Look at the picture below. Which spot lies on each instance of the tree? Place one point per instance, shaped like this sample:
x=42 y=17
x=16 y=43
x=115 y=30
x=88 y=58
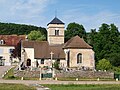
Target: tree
x=74 y=29
x=103 y=64
x=115 y=59
x=36 y=35
x=106 y=43
x=19 y=29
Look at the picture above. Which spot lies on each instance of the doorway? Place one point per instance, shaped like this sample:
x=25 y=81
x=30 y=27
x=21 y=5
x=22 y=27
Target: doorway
x=28 y=62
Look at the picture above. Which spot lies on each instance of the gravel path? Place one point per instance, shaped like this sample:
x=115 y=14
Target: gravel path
x=30 y=82
x=38 y=84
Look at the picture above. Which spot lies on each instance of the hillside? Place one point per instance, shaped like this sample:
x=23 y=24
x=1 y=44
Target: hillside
x=19 y=29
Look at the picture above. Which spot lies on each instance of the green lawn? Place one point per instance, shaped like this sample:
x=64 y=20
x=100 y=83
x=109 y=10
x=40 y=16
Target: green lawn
x=15 y=87
x=85 y=79
x=83 y=87
x=10 y=76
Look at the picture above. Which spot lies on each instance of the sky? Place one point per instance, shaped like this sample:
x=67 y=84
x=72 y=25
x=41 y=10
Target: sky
x=90 y=13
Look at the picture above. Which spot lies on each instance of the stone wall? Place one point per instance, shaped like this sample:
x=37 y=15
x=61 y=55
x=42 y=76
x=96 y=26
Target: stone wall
x=79 y=74
x=86 y=74
x=52 y=39
x=33 y=74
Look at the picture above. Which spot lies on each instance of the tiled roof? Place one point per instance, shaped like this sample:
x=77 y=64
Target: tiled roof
x=57 y=51
x=56 y=21
x=43 y=50
x=77 y=42
x=11 y=40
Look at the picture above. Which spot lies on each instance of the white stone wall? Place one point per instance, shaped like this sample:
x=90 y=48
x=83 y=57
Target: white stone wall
x=5 y=53
x=47 y=62
x=29 y=54
x=87 y=58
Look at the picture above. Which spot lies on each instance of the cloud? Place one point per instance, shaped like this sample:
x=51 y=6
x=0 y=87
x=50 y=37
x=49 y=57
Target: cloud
x=38 y=12
x=23 y=11
x=91 y=20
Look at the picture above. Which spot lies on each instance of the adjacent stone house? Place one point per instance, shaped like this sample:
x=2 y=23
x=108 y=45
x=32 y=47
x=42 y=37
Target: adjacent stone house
x=75 y=53
x=7 y=46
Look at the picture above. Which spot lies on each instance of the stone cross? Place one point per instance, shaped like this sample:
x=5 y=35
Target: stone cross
x=51 y=56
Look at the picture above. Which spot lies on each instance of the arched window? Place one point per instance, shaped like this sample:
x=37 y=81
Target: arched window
x=79 y=58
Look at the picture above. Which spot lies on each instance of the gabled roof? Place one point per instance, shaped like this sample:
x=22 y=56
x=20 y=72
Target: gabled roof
x=42 y=49
x=77 y=42
x=12 y=40
x=56 y=21
x=57 y=51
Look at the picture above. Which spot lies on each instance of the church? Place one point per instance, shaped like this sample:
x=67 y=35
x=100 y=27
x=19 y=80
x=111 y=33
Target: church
x=75 y=53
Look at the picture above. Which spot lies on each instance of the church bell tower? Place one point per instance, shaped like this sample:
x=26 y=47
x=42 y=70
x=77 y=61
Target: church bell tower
x=55 y=31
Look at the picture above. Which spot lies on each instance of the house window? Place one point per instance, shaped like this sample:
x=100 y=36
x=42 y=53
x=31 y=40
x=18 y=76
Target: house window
x=42 y=61
x=11 y=51
x=79 y=58
x=56 y=32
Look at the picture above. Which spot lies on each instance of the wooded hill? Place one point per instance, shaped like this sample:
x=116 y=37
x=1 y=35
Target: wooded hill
x=19 y=29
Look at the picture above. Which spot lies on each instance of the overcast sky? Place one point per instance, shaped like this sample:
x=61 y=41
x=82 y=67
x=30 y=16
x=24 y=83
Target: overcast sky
x=90 y=13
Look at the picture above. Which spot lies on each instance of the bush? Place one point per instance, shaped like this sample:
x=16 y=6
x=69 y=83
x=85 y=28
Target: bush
x=11 y=77
x=116 y=70
x=56 y=65
x=104 y=64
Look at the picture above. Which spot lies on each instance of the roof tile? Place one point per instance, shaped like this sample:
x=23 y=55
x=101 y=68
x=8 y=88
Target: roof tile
x=12 y=40
x=77 y=42
x=56 y=21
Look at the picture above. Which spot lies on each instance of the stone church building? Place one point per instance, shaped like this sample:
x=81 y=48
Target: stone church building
x=75 y=53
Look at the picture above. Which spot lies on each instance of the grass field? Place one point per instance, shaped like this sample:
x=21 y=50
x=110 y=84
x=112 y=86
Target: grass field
x=85 y=79
x=15 y=87
x=10 y=76
x=83 y=87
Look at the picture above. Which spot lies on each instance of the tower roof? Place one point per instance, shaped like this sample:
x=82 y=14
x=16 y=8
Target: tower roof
x=56 y=21
x=77 y=42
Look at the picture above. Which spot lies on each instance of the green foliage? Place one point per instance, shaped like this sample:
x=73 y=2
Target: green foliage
x=19 y=29
x=116 y=70
x=114 y=59
x=10 y=75
x=5 y=86
x=106 y=43
x=74 y=29
x=83 y=87
x=56 y=65
x=82 y=79
x=36 y=35
x=103 y=65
